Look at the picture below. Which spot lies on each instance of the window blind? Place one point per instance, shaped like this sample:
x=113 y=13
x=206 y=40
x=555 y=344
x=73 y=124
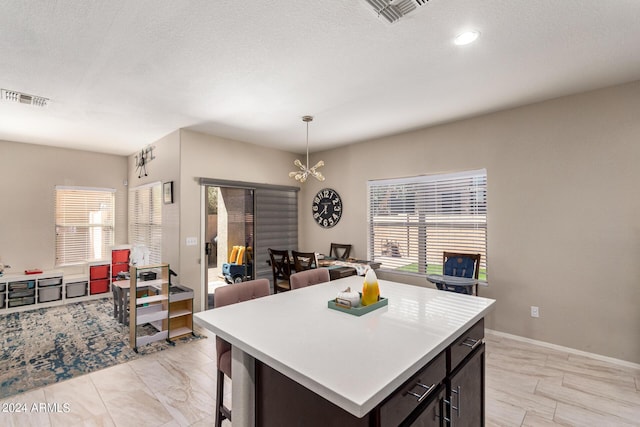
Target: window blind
x=145 y=219
x=84 y=219
x=412 y=221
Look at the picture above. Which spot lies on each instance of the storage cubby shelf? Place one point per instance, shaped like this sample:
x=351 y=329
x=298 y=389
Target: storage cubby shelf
x=22 y=292
x=178 y=313
x=151 y=299
x=149 y=304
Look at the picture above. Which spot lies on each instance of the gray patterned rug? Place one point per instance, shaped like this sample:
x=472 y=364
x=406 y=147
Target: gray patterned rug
x=47 y=345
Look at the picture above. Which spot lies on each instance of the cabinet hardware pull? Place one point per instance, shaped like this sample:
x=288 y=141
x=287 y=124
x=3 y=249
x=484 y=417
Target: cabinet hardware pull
x=445 y=419
x=427 y=388
x=448 y=402
x=457 y=392
x=474 y=343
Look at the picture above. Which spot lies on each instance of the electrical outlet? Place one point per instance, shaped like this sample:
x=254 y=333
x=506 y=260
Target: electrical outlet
x=535 y=311
x=192 y=241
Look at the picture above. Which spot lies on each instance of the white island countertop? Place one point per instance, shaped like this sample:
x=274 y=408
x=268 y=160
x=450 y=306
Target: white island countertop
x=354 y=362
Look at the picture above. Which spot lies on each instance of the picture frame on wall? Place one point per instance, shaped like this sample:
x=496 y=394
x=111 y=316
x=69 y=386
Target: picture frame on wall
x=167 y=192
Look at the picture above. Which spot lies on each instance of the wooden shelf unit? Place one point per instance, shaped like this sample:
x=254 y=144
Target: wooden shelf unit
x=180 y=312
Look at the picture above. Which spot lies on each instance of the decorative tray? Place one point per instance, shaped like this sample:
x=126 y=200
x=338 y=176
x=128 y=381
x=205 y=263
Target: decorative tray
x=357 y=311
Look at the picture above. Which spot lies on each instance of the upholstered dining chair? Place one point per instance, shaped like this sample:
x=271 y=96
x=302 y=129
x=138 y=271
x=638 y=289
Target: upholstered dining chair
x=339 y=251
x=226 y=295
x=306 y=278
x=460 y=265
x=304 y=260
x=281 y=268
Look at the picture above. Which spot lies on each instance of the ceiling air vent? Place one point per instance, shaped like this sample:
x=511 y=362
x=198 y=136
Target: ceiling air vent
x=392 y=10
x=23 y=98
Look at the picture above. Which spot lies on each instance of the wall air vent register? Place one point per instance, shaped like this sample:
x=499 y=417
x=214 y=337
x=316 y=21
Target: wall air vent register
x=393 y=10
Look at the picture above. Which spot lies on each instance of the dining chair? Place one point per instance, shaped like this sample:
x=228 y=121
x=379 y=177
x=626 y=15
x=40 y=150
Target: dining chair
x=460 y=265
x=281 y=268
x=306 y=278
x=304 y=261
x=226 y=295
x=339 y=251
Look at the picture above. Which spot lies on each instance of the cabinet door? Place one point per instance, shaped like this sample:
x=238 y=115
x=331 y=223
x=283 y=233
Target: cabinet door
x=466 y=392
x=431 y=415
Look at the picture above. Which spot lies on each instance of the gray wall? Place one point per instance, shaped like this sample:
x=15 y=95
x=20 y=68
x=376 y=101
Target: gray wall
x=564 y=211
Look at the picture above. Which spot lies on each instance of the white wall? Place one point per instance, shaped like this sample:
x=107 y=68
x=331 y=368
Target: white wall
x=164 y=168
x=564 y=211
x=28 y=175
x=205 y=156
x=564 y=228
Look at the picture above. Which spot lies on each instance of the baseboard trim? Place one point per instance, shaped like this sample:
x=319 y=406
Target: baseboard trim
x=600 y=357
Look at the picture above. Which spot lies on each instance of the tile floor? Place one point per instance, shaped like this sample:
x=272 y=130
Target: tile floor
x=527 y=385
x=530 y=385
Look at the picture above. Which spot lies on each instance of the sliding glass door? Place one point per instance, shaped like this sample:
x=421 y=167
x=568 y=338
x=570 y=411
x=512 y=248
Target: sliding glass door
x=229 y=236
x=249 y=218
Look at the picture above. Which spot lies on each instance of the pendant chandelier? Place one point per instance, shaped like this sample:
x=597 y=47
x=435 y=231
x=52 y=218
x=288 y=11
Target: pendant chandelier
x=305 y=171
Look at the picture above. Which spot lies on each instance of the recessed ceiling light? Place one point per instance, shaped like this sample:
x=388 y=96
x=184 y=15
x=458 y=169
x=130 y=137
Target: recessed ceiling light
x=466 y=37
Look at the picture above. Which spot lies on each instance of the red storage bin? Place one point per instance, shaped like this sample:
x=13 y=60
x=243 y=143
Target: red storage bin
x=99 y=272
x=120 y=256
x=99 y=286
x=117 y=268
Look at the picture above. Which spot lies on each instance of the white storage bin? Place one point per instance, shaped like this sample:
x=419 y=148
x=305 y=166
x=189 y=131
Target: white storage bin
x=50 y=282
x=50 y=294
x=17 y=302
x=76 y=289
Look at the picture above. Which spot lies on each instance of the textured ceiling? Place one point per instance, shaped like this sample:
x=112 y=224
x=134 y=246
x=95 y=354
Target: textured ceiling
x=121 y=74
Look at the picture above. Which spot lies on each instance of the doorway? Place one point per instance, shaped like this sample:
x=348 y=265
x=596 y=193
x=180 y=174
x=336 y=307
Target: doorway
x=229 y=233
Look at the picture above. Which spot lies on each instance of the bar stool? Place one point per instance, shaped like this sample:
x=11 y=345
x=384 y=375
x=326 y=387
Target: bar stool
x=226 y=295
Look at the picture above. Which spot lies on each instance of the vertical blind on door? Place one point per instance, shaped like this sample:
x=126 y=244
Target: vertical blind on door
x=145 y=219
x=412 y=221
x=276 y=225
x=85 y=222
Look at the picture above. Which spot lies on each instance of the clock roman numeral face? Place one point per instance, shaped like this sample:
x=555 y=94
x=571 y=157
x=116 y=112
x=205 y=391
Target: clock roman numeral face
x=327 y=208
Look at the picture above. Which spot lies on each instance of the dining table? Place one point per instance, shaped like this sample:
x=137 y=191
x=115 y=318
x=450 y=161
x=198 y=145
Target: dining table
x=340 y=268
x=353 y=362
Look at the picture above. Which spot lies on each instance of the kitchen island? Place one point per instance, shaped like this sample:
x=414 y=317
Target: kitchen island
x=292 y=353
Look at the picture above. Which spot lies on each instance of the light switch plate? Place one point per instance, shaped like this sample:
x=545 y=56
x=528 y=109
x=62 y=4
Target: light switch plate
x=192 y=241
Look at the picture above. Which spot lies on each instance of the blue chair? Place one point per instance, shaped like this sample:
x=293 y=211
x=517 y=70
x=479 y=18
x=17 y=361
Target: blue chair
x=460 y=265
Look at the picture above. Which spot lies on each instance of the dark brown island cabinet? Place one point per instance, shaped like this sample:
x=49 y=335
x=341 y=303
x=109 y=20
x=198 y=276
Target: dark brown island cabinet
x=448 y=391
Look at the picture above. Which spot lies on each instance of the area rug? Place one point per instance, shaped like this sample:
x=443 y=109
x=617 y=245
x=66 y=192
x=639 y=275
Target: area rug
x=48 y=345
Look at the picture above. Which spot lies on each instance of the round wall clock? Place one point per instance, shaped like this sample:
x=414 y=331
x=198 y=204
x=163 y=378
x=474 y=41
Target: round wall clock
x=327 y=208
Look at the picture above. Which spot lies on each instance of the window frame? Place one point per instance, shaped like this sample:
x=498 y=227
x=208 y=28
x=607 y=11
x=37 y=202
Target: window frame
x=75 y=207
x=412 y=208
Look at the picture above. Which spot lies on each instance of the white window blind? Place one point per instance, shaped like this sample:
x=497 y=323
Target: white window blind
x=84 y=223
x=412 y=221
x=145 y=219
